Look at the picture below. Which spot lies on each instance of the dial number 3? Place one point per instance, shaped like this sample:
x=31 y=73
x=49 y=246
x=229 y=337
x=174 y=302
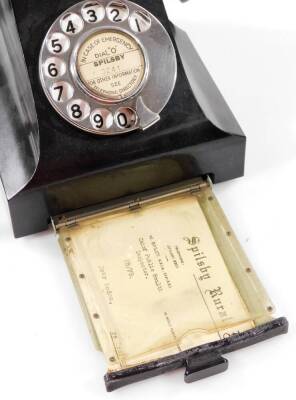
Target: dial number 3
x=93 y=12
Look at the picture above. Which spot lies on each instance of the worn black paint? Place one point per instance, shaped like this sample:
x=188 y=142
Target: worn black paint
x=199 y=362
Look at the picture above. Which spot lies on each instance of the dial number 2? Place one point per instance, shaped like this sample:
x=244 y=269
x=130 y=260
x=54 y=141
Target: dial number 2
x=117 y=11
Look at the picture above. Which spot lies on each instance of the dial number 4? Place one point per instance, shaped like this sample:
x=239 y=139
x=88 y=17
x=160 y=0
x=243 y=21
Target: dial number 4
x=71 y=24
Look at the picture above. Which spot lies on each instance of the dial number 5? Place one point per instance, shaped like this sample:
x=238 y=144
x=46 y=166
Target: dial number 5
x=57 y=43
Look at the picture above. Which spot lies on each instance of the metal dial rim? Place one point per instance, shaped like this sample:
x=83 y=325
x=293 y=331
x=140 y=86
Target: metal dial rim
x=150 y=97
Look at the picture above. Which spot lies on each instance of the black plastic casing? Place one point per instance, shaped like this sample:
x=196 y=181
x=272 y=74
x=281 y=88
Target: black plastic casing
x=78 y=170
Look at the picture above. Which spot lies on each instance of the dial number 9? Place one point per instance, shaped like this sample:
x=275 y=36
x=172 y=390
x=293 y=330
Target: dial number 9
x=101 y=119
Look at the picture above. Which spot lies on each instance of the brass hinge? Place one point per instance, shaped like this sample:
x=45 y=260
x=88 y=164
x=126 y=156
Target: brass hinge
x=71 y=223
x=135 y=205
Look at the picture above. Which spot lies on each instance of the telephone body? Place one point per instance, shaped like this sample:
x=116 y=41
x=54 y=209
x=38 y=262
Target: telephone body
x=178 y=141
x=110 y=126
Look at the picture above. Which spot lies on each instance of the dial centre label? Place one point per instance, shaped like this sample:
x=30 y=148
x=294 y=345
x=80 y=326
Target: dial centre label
x=111 y=64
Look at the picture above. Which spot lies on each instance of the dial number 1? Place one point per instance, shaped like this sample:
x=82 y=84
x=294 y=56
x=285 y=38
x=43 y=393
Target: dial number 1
x=140 y=22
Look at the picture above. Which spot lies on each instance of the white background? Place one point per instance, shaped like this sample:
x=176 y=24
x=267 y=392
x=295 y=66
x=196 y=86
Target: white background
x=45 y=349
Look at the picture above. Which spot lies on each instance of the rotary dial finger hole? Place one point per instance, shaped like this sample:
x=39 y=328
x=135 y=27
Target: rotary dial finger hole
x=99 y=58
x=71 y=24
x=93 y=12
x=61 y=92
x=101 y=119
x=54 y=67
x=117 y=11
x=140 y=22
x=125 y=118
x=58 y=43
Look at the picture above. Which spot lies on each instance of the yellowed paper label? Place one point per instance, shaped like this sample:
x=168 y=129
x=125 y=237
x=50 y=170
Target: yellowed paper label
x=155 y=281
x=111 y=64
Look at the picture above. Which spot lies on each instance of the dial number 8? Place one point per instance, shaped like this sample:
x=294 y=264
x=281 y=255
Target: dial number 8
x=78 y=110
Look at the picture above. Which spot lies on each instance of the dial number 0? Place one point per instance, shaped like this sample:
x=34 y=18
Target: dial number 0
x=125 y=118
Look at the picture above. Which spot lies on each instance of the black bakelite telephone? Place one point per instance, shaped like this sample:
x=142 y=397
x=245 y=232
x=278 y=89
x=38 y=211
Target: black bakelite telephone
x=106 y=106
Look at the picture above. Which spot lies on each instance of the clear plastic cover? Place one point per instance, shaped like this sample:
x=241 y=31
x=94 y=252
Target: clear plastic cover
x=162 y=278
